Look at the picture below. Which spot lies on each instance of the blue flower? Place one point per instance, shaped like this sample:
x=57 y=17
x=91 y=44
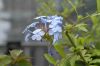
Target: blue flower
x=37 y=34
x=56 y=21
x=46 y=24
x=55 y=27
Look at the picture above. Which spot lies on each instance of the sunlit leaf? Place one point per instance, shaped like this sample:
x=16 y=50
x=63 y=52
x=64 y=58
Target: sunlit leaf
x=5 y=60
x=15 y=53
x=95 y=61
x=98 y=5
x=59 y=49
x=81 y=27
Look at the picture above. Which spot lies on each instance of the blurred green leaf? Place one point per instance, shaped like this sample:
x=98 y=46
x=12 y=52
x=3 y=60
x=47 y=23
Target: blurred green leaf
x=93 y=65
x=95 y=61
x=68 y=27
x=50 y=59
x=23 y=63
x=98 y=5
x=73 y=60
x=65 y=61
x=15 y=53
x=95 y=21
x=59 y=49
x=95 y=52
x=5 y=60
x=81 y=27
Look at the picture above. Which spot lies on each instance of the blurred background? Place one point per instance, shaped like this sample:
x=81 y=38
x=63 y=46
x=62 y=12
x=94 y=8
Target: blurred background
x=15 y=15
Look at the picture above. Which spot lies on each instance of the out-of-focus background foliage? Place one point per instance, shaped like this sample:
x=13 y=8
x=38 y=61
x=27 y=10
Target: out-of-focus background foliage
x=15 y=15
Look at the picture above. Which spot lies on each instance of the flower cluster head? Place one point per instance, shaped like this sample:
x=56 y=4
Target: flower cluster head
x=51 y=25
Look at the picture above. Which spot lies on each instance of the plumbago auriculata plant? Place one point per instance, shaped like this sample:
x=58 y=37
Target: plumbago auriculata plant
x=73 y=37
x=73 y=41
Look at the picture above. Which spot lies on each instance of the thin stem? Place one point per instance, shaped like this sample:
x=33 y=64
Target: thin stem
x=70 y=39
x=82 y=57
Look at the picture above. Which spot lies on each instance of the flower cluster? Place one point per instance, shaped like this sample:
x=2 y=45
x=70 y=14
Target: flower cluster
x=45 y=24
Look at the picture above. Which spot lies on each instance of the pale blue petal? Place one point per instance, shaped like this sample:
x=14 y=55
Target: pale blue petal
x=39 y=17
x=57 y=36
x=33 y=24
x=36 y=31
x=43 y=20
x=51 y=26
x=51 y=32
x=34 y=37
x=59 y=18
x=49 y=21
x=41 y=33
x=27 y=37
x=38 y=37
x=57 y=29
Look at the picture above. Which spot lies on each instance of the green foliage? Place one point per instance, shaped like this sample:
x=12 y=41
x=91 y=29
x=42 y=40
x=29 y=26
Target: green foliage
x=60 y=49
x=95 y=61
x=81 y=27
x=5 y=60
x=64 y=62
x=98 y=5
x=50 y=59
x=15 y=53
x=81 y=36
x=23 y=62
x=16 y=58
x=50 y=7
x=73 y=60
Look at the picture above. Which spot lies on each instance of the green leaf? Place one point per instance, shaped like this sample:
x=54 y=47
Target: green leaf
x=65 y=61
x=68 y=27
x=5 y=60
x=95 y=61
x=82 y=27
x=79 y=40
x=93 y=65
x=80 y=17
x=98 y=5
x=15 y=53
x=59 y=49
x=73 y=60
x=23 y=63
x=95 y=52
x=83 y=52
x=95 y=21
x=50 y=59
